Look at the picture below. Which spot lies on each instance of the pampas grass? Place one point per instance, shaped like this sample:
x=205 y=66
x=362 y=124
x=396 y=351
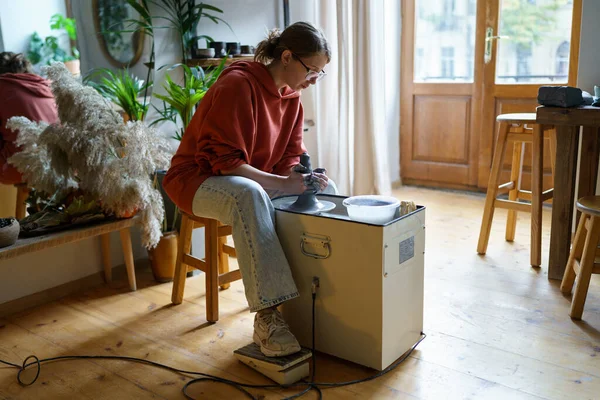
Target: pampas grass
x=93 y=150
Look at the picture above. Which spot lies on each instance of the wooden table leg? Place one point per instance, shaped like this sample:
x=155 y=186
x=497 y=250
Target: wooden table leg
x=537 y=172
x=567 y=141
x=588 y=163
x=105 y=243
x=128 y=255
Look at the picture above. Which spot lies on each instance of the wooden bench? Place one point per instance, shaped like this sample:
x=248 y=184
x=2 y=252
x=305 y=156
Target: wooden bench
x=30 y=245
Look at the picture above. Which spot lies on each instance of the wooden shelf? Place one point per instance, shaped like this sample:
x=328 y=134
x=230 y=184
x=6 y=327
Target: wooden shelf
x=210 y=62
x=28 y=245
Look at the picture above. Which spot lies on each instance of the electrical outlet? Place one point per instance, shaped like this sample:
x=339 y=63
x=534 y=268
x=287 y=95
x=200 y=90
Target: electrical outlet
x=315 y=284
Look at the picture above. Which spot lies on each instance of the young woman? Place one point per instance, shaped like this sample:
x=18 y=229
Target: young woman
x=241 y=145
x=22 y=94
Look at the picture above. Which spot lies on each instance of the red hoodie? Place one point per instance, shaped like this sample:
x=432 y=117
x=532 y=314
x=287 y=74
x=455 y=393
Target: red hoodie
x=21 y=95
x=243 y=119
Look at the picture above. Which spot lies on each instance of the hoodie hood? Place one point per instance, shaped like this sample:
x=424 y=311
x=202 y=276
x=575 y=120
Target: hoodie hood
x=261 y=74
x=31 y=83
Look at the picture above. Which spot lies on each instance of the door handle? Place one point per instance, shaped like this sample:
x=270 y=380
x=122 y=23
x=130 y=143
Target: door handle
x=489 y=37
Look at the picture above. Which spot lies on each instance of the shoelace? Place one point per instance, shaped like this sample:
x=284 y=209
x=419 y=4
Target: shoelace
x=274 y=321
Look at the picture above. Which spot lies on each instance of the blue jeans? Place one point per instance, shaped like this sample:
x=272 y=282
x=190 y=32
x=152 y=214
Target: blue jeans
x=246 y=206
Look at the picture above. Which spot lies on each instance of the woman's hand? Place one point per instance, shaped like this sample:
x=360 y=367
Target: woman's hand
x=294 y=183
x=318 y=177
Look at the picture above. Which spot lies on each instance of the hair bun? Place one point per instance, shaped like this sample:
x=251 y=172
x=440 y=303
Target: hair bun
x=14 y=63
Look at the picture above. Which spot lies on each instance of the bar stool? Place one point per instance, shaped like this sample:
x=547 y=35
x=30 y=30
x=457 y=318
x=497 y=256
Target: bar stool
x=215 y=264
x=582 y=263
x=523 y=129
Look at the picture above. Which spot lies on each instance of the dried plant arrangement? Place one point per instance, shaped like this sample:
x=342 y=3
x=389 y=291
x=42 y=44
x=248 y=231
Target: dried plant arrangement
x=93 y=151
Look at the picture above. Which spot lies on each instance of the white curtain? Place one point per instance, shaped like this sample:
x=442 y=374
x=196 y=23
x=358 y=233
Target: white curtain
x=356 y=107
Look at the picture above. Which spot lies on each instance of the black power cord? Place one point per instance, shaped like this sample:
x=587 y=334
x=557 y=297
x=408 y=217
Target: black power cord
x=241 y=387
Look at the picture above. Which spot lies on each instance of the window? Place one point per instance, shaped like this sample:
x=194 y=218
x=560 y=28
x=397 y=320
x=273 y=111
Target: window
x=419 y=63
x=472 y=7
x=447 y=62
x=562 y=59
x=449 y=7
x=523 y=59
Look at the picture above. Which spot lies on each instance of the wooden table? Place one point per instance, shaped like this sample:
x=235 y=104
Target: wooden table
x=567 y=122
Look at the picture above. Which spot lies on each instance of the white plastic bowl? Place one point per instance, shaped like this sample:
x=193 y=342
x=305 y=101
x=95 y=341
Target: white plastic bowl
x=372 y=209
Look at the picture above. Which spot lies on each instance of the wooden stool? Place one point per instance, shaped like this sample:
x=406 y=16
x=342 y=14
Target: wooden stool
x=22 y=195
x=522 y=129
x=215 y=264
x=581 y=262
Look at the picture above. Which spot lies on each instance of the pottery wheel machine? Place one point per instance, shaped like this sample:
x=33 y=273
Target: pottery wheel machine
x=358 y=265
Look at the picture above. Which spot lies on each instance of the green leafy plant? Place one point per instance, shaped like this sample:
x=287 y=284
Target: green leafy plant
x=181 y=101
x=121 y=88
x=528 y=23
x=185 y=15
x=48 y=50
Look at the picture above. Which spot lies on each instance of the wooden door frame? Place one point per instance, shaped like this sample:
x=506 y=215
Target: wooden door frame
x=482 y=141
x=488 y=136
x=409 y=89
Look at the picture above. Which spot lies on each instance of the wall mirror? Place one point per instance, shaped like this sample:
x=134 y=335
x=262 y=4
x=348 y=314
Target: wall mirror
x=122 y=49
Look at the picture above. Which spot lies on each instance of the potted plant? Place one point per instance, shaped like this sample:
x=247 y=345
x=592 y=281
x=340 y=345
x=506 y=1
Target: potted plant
x=179 y=104
x=123 y=89
x=48 y=50
x=182 y=15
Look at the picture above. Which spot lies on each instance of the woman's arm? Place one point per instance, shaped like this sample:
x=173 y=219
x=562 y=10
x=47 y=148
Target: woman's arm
x=293 y=184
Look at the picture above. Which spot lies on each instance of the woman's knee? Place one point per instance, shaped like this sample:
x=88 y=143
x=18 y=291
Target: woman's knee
x=220 y=195
x=247 y=192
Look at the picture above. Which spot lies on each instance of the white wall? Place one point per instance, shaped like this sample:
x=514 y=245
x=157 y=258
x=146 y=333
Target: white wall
x=589 y=54
x=21 y=18
x=250 y=19
x=589 y=51
x=588 y=73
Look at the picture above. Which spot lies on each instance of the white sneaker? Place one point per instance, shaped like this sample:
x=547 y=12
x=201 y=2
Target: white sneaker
x=273 y=335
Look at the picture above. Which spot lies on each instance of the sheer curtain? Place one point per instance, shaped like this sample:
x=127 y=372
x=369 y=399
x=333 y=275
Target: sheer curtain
x=356 y=107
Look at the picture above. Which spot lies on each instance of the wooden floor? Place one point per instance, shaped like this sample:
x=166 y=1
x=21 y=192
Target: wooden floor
x=497 y=329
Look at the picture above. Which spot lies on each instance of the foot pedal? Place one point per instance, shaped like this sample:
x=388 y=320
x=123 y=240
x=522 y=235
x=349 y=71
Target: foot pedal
x=283 y=370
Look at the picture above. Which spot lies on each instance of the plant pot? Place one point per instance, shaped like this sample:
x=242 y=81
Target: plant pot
x=9 y=231
x=164 y=256
x=168 y=203
x=74 y=67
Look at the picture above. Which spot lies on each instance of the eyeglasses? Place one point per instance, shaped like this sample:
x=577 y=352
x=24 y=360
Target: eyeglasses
x=310 y=74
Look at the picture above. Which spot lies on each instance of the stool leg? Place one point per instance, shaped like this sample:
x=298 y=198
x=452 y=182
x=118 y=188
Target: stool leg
x=569 y=277
x=516 y=173
x=183 y=247
x=492 y=189
x=211 y=240
x=223 y=260
x=586 y=268
x=537 y=166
